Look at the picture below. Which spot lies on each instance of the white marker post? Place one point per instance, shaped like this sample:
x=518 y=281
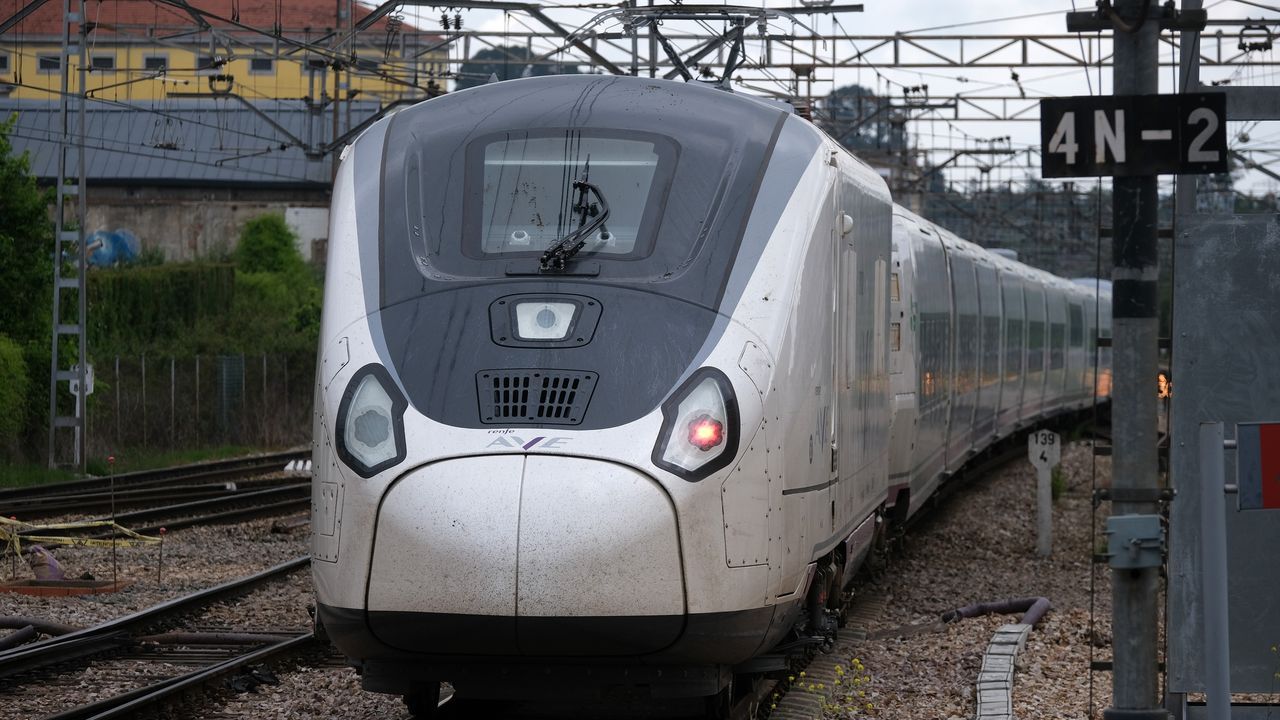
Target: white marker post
x=1044 y=448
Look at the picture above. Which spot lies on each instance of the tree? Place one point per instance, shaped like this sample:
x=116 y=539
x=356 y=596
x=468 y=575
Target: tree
x=26 y=248
x=861 y=120
x=507 y=63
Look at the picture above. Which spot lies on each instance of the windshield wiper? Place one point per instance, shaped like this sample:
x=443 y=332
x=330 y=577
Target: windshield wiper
x=562 y=250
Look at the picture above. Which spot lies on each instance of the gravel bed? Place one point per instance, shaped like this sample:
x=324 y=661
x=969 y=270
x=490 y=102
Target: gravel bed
x=194 y=558
x=280 y=606
x=310 y=692
x=98 y=682
x=979 y=546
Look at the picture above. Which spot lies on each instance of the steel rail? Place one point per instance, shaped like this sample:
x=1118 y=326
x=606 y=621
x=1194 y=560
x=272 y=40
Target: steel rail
x=197 y=512
x=137 y=701
x=206 y=471
x=97 y=502
x=116 y=634
x=282 y=507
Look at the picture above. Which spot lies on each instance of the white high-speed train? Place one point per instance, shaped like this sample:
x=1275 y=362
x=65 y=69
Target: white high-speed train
x=620 y=378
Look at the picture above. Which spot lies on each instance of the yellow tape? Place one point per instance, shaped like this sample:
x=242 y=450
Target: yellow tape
x=11 y=535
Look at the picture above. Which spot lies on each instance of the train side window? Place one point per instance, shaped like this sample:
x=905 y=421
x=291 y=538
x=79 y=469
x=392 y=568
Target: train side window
x=895 y=335
x=1077 y=325
x=1013 y=348
x=1057 y=354
x=1035 y=346
x=893 y=288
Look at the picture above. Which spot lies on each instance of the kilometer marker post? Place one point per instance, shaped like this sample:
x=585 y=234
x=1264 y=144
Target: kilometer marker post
x=1044 y=449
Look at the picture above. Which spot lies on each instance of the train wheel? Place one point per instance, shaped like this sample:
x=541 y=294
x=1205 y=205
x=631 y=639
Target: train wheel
x=424 y=703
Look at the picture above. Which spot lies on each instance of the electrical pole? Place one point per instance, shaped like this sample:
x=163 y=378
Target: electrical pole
x=1134 y=309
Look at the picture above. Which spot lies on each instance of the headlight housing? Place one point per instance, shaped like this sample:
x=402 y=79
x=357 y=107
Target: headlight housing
x=699 y=427
x=370 y=427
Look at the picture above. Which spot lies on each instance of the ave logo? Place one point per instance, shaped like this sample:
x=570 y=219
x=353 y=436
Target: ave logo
x=1133 y=135
x=517 y=442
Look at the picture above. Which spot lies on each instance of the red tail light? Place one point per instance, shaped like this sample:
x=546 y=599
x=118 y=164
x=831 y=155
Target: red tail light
x=700 y=427
x=705 y=432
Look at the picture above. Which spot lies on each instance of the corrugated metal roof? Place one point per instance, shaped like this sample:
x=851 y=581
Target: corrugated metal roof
x=188 y=142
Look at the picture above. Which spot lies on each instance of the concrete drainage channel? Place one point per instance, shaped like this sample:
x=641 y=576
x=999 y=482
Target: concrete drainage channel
x=995 y=681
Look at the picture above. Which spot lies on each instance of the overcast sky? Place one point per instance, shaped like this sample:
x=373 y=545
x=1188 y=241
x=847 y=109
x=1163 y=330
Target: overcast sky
x=970 y=17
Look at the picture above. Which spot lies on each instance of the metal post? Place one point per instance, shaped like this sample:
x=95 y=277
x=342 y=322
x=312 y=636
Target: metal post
x=653 y=47
x=117 y=402
x=1135 y=591
x=144 y=400
x=635 y=48
x=67 y=240
x=173 y=432
x=1188 y=82
x=262 y=403
x=1213 y=564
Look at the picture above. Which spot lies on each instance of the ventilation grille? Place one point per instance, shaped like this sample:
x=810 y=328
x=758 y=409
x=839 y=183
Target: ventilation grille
x=541 y=397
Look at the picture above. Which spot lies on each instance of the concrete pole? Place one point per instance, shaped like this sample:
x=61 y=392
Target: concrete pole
x=1044 y=511
x=1135 y=592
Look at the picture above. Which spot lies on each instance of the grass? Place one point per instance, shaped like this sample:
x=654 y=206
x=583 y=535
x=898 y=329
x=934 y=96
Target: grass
x=1058 y=482
x=149 y=459
x=22 y=475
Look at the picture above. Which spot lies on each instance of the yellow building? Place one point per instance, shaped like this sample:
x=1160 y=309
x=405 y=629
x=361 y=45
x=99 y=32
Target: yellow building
x=144 y=51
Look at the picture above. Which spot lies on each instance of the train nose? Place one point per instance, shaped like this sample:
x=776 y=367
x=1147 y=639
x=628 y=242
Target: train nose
x=526 y=554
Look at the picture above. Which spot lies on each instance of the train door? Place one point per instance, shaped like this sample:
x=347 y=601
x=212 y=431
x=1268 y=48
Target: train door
x=844 y=420
x=902 y=371
x=963 y=383
x=1014 y=363
x=989 y=344
x=863 y=371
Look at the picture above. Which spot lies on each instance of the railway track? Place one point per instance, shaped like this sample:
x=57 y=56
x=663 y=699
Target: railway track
x=90 y=493
x=100 y=502
x=212 y=663
x=34 y=661
x=228 y=507
x=156 y=668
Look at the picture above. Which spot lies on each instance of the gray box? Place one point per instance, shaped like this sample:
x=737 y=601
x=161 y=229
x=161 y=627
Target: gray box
x=1226 y=347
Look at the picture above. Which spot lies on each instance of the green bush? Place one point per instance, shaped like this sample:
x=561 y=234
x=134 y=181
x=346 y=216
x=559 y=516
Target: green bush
x=13 y=395
x=157 y=308
x=274 y=312
x=268 y=245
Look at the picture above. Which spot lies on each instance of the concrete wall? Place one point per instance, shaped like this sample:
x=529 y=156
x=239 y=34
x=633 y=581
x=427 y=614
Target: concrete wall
x=195 y=223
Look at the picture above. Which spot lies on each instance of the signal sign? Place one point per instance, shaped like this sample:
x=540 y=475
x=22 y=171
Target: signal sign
x=1133 y=135
x=1258 y=465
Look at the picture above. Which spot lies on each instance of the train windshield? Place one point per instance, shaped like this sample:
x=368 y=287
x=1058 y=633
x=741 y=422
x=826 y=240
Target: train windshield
x=480 y=185
x=525 y=201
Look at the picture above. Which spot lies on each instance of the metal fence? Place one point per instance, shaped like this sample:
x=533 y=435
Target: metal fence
x=182 y=403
